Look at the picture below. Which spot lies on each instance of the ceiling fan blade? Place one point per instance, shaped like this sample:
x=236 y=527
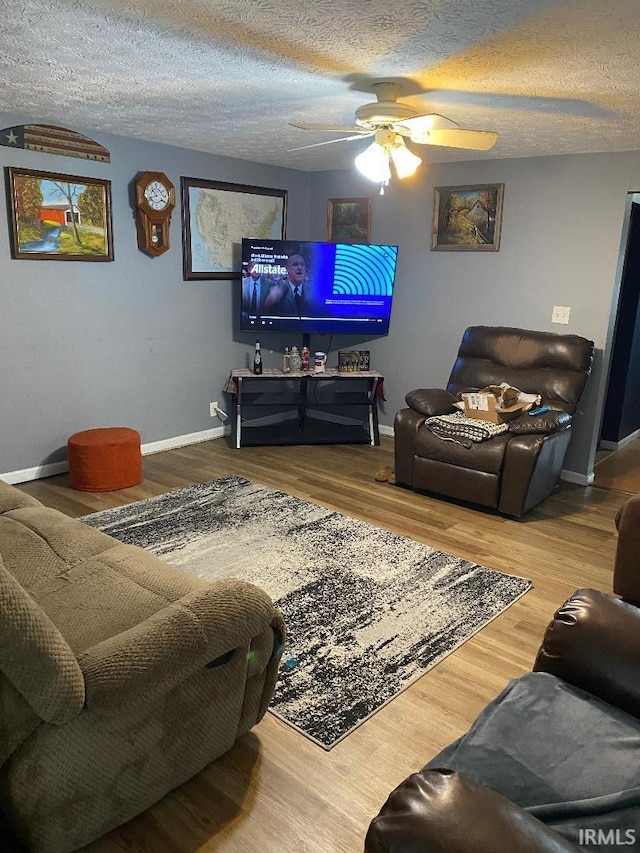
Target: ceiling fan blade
x=331 y=141
x=474 y=140
x=423 y=123
x=331 y=128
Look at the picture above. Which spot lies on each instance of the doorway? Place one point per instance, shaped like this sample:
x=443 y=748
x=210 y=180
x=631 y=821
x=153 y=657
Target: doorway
x=618 y=455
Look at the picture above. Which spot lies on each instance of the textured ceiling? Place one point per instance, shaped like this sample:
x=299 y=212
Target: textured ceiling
x=226 y=76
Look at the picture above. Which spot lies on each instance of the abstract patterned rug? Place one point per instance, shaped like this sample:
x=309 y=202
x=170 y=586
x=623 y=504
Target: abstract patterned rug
x=368 y=612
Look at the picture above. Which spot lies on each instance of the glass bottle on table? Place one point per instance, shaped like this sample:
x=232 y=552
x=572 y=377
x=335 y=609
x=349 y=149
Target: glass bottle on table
x=306 y=358
x=257 y=360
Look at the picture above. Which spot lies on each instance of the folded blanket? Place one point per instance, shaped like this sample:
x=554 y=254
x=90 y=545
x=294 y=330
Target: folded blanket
x=457 y=427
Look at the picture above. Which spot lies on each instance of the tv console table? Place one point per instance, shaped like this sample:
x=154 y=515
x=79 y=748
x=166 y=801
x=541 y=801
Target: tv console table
x=302 y=407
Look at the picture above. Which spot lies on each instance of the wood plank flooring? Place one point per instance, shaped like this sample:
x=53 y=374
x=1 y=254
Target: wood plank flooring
x=275 y=791
x=620 y=470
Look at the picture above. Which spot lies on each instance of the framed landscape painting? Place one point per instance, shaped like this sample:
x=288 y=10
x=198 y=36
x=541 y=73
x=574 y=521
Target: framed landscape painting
x=215 y=218
x=467 y=219
x=349 y=220
x=56 y=217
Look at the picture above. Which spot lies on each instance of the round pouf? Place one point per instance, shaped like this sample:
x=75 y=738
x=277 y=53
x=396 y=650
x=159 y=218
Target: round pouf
x=102 y=460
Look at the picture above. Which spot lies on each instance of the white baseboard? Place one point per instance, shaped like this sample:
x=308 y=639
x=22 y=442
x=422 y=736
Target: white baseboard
x=184 y=440
x=36 y=473
x=575 y=477
x=53 y=468
x=618 y=445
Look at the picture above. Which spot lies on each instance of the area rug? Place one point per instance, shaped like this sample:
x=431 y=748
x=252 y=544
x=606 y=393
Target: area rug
x=367 y=611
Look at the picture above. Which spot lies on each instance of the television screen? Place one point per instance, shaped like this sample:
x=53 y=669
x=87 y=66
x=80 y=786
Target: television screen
x=290 y=286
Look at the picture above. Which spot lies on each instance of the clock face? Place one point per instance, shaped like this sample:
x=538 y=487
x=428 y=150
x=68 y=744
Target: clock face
x=157 y=195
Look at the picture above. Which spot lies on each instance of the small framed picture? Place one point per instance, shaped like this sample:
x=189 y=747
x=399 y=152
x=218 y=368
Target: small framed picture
x=217 y=215
x=56 y=217
x=349 y=220
x=467 y=219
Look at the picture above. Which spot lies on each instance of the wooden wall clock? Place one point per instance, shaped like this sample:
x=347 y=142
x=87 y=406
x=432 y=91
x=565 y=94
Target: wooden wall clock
x=155 y=199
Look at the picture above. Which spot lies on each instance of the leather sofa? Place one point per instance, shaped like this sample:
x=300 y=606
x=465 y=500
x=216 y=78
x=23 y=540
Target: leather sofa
x=120 y=676
x=552 y=764
x=514 y=471
x=626 y=570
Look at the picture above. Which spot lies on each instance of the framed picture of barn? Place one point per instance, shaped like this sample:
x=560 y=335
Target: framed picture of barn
x=55 y=217
x=467 y=219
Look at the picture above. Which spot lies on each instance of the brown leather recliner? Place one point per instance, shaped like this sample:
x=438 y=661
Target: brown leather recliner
x=514 y=471
x=626 y=570
x=550 y=765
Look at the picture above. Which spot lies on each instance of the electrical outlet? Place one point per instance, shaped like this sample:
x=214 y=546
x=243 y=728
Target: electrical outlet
x=560 y=314
x=213 y=408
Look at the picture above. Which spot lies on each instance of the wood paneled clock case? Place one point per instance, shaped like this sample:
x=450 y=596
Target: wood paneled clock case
x=155 y=199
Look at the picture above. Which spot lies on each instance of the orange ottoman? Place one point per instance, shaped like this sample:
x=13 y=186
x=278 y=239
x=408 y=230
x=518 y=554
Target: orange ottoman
x=102 y=460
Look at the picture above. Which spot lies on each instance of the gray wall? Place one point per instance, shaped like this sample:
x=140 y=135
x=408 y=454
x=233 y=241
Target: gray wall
x=562 y=224
x=129 y=342
x=87 y=344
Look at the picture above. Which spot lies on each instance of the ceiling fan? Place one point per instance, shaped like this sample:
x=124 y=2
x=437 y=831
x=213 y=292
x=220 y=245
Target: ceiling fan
x=389 y=121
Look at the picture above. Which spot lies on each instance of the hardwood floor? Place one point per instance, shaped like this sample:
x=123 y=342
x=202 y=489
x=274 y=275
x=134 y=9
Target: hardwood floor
x=275 y=791
x=620 y=470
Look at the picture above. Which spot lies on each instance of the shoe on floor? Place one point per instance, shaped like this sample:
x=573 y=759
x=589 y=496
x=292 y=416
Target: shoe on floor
x=382 y=476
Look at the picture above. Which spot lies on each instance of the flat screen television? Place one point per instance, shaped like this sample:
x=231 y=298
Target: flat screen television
x=326 y=288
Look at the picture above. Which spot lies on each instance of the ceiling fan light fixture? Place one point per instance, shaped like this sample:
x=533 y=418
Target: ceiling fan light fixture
x=405 y=161
x=388 y=120
x=373 y=163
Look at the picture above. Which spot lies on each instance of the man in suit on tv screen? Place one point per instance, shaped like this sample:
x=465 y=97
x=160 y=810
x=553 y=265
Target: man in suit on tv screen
x=293 y=296
x=254 y=291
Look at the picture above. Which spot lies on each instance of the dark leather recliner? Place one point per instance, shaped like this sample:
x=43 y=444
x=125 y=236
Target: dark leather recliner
x=626 y=570
x=551 y=764
x=514 y=471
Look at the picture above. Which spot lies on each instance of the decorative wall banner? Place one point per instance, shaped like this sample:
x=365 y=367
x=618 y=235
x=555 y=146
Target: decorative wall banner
x=56 y=217
x=53 y=140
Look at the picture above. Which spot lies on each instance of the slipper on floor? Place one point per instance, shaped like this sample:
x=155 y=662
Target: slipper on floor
x=382 y=476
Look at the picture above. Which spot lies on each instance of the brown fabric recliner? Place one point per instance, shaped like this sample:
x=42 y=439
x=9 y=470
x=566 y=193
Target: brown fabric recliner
x=514 y=471
x=120 y=676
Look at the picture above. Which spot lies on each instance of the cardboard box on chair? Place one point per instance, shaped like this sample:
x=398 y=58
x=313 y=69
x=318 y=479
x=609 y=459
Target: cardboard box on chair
x=483 y=407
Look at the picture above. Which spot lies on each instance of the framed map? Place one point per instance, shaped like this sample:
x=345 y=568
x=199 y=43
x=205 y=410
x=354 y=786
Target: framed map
x=215 y=218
